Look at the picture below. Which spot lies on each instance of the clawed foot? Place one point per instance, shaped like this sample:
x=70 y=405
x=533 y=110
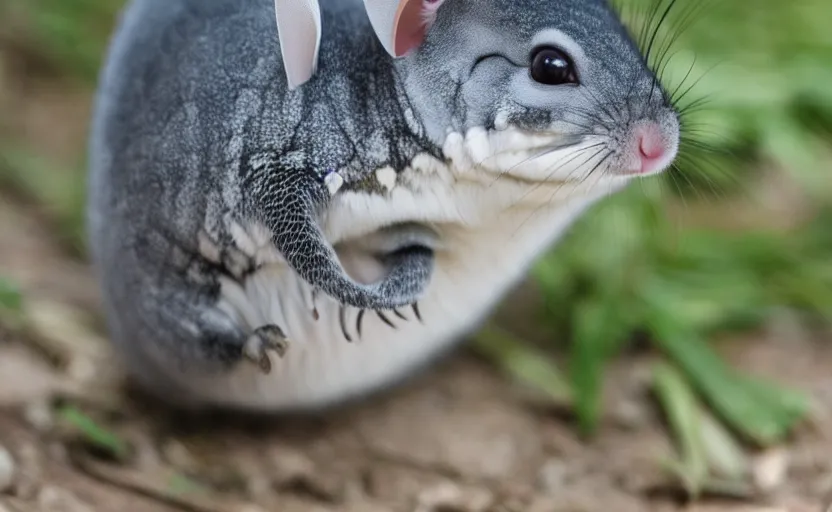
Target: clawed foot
x=269 y=338
x=359 y=322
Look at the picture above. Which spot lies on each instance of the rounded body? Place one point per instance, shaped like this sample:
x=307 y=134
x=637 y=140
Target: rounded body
x=194 y=133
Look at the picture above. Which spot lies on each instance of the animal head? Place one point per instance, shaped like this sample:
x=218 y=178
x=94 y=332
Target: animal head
x=551 y=90
x=543 y=90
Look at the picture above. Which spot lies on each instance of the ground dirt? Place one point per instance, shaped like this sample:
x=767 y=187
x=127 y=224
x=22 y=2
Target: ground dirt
x=459 y=438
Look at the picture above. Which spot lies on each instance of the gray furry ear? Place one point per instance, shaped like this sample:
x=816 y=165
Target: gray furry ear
x=299 y=30
x=401 y=25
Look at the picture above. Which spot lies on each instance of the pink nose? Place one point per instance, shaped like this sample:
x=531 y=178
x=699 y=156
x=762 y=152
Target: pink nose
x=652 y=148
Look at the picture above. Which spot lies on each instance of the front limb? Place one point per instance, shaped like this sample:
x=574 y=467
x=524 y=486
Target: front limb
x=288 y=199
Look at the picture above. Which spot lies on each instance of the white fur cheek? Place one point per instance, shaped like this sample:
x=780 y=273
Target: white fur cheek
x=536 y=157
x=574 y=163
x=524 y=155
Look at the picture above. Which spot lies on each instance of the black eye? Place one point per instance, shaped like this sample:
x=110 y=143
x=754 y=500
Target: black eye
x=551 y=66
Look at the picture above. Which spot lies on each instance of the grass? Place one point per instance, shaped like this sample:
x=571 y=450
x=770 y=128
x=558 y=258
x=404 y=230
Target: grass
x=92 y=433
x=69 y=35
x=10 y=299
x=58 y=191
x=626 y=269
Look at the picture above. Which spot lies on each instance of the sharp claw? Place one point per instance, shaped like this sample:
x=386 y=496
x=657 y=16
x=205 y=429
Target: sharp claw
x=396 y=311
x=385 y=319
x=359 y=321
x=272 y=334
x=343 y=320
x=415 y=307
x=315 y=313
x=269 y=338
x=272 y=338
x=265 y=364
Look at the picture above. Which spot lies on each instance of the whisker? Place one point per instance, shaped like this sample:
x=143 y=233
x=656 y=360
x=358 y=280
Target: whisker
x=658 y=28
x=676 y=101
x=682 y=25
x=684 y=79
x=587 y=130
x=601 y=105
x=691 y=185
x=559 y=166
x=543 y=152
x=589 y=95
x=597 y=166
x=557 y=189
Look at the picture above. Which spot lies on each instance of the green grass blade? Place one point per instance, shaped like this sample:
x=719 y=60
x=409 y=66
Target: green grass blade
x=523 y=363
x=94 y=434
x=765 y=418
x=597 y=326
x=10 y=297
x=681 y=409
x=725 y=455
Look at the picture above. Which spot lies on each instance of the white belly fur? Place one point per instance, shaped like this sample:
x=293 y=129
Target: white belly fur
x=491 y=233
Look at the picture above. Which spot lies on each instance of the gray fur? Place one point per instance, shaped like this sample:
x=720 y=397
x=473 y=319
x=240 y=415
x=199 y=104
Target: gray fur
x=194 y=131
x=617 y=88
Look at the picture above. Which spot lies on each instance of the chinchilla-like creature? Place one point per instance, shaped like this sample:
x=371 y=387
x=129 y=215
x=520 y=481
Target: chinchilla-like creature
x=389 y=201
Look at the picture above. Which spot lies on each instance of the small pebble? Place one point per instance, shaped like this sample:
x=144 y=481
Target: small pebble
x=178 y=455
x=450 y=496
x=29 y=472
x=82 y=369
x=7 y=469
x=294 y=468
x=39 y=415
x=770 y=468
x=290 y=465
x=552 y=476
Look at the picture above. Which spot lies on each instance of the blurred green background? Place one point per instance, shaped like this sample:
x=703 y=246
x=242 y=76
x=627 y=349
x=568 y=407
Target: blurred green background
x=738 y=233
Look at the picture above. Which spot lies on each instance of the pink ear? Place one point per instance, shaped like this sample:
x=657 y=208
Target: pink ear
x=401 y=25
x=413 y=19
